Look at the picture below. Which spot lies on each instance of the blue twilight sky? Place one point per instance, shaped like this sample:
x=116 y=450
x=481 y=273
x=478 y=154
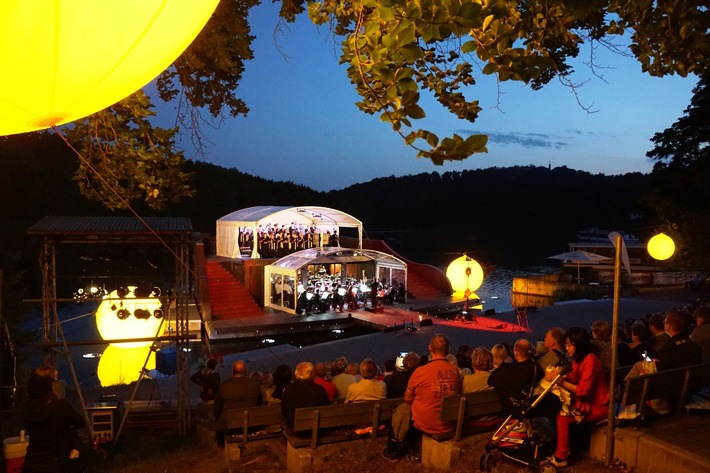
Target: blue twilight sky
x=304 y=126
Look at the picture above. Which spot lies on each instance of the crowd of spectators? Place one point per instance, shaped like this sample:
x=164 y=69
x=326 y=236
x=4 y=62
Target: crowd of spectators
x=421 y=380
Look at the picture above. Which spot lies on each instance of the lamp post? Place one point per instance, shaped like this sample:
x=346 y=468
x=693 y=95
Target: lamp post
x=660 y=247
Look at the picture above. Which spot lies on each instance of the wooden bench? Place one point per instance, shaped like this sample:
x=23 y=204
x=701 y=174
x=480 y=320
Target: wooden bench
x=440 y=453
x=267 y=419
x=676 y=384
x=315 y=426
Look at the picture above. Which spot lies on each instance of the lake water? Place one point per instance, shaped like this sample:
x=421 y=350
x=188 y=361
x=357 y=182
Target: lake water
x=495 y=292
x=97 y=363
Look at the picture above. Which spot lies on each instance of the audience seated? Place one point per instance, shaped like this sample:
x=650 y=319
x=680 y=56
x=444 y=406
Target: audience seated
x=320 y=378
x=587 y=382
x=354 y=370
x=302 y=392
x=680 y=350
x=482 y=362
x=500 y=355
x=658 y=335
x=340 y=378
x=420 y=413
x=237 y=391
x=397 y=382
x=282 y=378
x=368 y=388
x=629 y=353
x=601 y=341
x=701 y=333
x=554 y=340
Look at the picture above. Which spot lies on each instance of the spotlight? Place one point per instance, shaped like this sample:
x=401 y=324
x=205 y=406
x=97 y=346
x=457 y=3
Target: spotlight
x=122 y=314
x=122 y=292
x=158 y=313
x=156 y=291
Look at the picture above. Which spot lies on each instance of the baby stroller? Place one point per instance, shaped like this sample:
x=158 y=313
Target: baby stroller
x=526 y=436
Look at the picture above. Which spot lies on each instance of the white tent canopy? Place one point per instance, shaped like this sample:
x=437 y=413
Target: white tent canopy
x=323 y=218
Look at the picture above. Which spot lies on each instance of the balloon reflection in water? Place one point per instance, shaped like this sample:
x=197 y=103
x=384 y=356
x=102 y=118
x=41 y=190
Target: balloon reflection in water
x=120 y=365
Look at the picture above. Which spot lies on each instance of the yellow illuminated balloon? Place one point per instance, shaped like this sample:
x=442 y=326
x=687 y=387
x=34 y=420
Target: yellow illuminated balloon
x=116 y=318
x=465 y=273
x=123 y=365
x=65 y=59
x=661 y=246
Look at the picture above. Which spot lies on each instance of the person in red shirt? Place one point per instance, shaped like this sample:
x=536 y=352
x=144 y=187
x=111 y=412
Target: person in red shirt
x=320 y=372
x=588 y=385
x=428 y=384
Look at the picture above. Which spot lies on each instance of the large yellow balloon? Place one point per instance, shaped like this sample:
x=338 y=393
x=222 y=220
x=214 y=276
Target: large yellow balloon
x=115 y=325
x=65 y=59
x=465 y=273
x=661 y=247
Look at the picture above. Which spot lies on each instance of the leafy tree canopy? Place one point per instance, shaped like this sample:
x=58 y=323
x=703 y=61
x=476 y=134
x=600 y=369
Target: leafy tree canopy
x=679 y=188
x=395 y=50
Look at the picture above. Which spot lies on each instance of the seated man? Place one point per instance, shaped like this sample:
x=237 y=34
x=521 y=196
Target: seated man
x=236 y=392
x=427 y=385
x=368 y=388
x=303 y=392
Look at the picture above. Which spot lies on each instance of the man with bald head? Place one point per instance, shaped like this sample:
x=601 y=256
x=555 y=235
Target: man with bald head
x=512 y=379
x=237 y=391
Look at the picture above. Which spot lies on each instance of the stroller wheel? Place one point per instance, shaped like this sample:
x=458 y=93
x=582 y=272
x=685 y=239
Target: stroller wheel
x=547 y=467
x=488 y=462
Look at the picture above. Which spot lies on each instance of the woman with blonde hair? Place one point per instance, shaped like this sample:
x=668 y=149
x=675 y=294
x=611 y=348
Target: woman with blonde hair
x=500 y=355
x=482 y=361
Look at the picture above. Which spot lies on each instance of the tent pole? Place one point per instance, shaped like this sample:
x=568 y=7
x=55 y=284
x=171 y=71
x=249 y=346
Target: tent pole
x=254 y=242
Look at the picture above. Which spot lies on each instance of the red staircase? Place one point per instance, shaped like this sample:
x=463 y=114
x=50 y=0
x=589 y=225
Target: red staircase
x=229 y=299
x=421 y=288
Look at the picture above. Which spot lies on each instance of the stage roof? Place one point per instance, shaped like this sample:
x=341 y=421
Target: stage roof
x=305 y=215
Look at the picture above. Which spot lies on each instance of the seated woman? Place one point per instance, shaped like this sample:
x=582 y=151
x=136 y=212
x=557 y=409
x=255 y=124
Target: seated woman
x=588 y=386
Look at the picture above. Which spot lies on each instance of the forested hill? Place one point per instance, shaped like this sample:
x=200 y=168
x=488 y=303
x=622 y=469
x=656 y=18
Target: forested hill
x=513 y=215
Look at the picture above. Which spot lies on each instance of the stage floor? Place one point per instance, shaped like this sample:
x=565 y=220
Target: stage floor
x=386 y=318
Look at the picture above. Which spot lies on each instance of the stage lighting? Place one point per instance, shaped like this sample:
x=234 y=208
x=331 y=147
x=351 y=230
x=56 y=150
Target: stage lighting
x=123 y=314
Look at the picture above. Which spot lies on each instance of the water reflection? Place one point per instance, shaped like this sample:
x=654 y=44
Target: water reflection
x=121 y=365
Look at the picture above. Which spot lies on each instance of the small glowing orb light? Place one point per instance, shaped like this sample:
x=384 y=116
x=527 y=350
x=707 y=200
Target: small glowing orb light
x=465 y=273
x=120 y=365
x=113 y=325
x=661 y=247
x=64 y=60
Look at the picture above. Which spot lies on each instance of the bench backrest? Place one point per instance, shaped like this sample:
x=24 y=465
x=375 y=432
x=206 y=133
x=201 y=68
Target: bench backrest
x=370 y=413
x=461 y=407
x=243 y=418
x=673 y=384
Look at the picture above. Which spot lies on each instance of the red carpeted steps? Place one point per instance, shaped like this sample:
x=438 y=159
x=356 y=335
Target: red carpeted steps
x=229 y=299
x=421 y=288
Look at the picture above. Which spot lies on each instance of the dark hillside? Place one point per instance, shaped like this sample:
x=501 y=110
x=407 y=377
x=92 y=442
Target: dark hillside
x=514 y=215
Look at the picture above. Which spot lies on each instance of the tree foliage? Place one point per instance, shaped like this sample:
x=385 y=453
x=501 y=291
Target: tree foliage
x=679 y=188
x=398 y=50
x=119 y=145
